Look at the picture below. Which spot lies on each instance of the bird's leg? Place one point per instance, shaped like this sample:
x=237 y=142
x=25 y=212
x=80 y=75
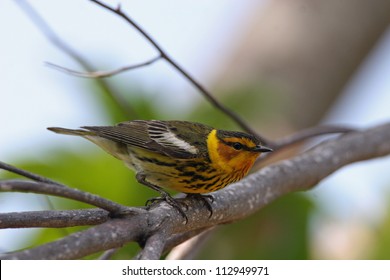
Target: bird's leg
x=207 y=200
x=141 y=178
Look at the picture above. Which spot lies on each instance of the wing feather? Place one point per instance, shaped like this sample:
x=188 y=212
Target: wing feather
x=156 y=136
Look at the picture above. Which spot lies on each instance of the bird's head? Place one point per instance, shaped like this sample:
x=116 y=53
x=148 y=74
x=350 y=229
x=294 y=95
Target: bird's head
x=234 y=151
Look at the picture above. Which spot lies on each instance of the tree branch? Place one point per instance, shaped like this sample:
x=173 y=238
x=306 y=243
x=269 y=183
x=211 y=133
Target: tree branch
x=111 y=234
x=53 y=218
x=235 y=202
x=308 y=133
x=66 y=192
x=299 y=137
x=102 y=74
x=153 y=247
x=28 y=174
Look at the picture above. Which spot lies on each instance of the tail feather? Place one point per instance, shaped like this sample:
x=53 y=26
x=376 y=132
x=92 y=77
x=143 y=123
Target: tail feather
x=117 y=150
x=77 y=132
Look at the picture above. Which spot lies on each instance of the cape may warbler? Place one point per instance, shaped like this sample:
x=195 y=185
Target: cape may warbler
x=188 y=157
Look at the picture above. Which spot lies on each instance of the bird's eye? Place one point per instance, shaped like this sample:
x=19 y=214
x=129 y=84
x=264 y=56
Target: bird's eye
x=237 y=146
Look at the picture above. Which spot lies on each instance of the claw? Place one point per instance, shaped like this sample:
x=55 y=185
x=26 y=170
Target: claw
x=171 y=201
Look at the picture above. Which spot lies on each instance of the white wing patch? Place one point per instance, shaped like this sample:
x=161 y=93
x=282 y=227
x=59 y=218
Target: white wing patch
x=165 y=137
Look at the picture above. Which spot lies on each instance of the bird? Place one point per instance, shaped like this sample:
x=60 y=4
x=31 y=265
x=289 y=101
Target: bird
x=187 y=157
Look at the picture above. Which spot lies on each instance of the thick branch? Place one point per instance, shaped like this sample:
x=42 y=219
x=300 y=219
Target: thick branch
x=111 y=234
x=235 y=202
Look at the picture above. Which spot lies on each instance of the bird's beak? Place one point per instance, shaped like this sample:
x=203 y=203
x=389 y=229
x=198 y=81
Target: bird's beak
x=262 y=149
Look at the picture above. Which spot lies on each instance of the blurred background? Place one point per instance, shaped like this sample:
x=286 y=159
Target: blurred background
x=282 y=65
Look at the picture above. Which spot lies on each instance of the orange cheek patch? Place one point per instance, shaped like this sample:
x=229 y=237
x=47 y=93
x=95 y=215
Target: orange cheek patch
x=226 y=152
x=239 y=159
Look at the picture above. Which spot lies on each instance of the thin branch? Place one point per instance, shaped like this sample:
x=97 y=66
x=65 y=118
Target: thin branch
x=53 y=218
x=66 y=192
x=309 y=133
x=51 y=187
x=236 y=118
x=299 y=137
x=28 y=174
x=51 y=35
x=232 y=203
x=101 y=74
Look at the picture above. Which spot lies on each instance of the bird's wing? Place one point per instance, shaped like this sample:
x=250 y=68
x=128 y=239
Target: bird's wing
x=156 y=136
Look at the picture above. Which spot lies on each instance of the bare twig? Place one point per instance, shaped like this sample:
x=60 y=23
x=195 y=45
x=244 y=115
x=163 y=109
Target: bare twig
x=66 y=192
x=51 y=35
x=235 y=202
x=101 y=74
x=309 y=133
x=299 y=137
x=27 y=174
x=53 y=218
x=192 y=80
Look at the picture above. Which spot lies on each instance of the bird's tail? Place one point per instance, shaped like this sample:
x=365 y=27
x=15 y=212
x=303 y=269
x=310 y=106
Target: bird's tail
x=117 y=150
x=77 y=132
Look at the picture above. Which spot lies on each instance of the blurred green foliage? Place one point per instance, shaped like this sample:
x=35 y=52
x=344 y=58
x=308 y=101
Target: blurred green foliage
x=381 y=248
x=279 y=231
